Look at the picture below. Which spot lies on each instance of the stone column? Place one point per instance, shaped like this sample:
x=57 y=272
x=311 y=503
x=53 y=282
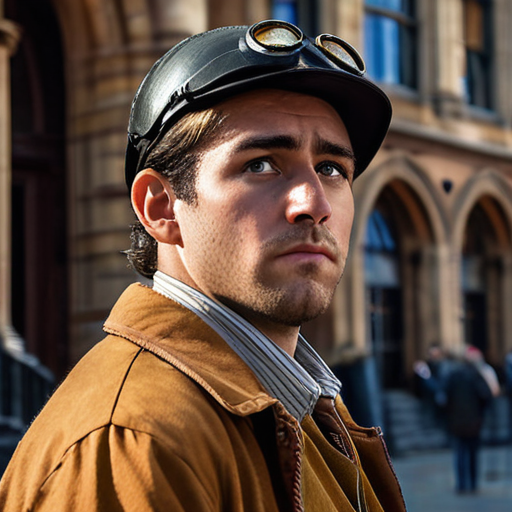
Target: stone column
x=346 y=20
x=502 y=18
x=9 y=37
x=451 y=58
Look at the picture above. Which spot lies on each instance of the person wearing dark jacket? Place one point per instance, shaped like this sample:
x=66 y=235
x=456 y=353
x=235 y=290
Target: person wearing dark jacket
x=467 y=395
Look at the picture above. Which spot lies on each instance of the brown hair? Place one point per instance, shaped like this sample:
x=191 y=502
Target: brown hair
x=177 y=158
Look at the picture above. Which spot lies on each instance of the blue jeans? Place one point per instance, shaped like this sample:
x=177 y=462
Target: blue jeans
x=466 y=462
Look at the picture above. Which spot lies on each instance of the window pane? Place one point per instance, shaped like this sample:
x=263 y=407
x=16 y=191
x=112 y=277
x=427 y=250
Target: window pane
x=285 y=10
x=381 y=253
x=378 y=234
x=473 y=273
x=477 y=80
x=382 y=48
x=381 y=269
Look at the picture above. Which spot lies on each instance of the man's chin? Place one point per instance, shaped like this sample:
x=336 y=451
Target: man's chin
x=290 y=310
x=297 y=316
x=298 y=306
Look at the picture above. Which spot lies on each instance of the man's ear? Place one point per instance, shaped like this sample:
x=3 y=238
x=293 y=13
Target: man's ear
x=153 y=201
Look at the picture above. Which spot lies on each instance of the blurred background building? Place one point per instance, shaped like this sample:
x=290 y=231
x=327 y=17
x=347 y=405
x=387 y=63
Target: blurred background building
x=431 y=256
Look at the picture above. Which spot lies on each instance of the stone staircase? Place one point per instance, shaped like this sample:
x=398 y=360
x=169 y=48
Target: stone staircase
x=411 y=426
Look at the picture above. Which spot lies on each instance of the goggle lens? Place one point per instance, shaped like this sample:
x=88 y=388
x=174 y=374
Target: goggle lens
x=341 y=51
x=277 y=36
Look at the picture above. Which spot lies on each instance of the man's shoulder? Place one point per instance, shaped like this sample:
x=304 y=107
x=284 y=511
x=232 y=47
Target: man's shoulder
x=85 y=400
x=119 y=391
x=118 y=383
x=82 y=404
x=161 y=400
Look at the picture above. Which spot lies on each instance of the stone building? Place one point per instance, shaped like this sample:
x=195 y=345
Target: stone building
x=431 y=257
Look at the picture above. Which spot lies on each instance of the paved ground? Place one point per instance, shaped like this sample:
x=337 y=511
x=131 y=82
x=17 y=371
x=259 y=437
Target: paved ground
x=428 y=483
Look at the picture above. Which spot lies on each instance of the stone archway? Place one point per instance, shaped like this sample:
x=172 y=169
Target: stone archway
x=399 y=188
x=482 y=244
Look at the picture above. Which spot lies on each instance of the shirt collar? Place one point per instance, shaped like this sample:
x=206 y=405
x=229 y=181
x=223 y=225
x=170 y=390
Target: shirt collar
x=297 y=382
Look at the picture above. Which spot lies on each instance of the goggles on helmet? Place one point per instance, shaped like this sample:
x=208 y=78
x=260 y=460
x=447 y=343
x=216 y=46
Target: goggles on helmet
x=281 y=36
x=213 y=66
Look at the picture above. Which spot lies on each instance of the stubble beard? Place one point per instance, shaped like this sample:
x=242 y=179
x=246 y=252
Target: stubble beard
x=286 y=306
x=295 y=306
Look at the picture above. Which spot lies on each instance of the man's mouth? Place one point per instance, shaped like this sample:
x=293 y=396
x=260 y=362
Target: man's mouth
x=308 y=252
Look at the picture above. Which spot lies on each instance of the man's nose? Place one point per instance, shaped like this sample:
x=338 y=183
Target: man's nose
x=307 y=201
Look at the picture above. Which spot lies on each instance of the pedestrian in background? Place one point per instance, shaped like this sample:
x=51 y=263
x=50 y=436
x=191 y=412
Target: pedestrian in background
x=470 y=388
x=431 y=375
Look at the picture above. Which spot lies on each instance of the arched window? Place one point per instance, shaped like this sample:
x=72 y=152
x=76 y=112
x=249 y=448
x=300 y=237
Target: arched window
x=390 y=41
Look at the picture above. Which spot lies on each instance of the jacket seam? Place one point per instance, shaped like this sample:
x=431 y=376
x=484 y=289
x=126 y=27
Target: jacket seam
x=182 y=459
x=58 y=465
x=121 y=386
x=107 y=426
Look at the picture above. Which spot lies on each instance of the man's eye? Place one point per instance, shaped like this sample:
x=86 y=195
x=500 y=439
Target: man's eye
x=260 y=167
x=329 y=169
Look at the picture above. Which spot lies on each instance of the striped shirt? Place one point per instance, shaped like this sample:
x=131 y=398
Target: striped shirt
x=296 y=382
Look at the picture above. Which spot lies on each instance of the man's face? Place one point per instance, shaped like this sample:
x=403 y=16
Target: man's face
x=269 y=233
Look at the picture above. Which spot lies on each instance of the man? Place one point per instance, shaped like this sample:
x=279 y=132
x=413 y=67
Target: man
x=470 y=387
x=243 y=146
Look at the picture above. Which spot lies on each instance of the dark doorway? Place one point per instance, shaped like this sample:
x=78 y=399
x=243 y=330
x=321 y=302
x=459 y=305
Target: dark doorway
x=39 y=241
x=385 y=312
x=475 y=320
x=479 y=239
x=384 y=297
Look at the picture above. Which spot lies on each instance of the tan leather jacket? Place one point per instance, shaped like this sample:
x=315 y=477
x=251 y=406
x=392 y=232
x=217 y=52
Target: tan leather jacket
x=163 y=416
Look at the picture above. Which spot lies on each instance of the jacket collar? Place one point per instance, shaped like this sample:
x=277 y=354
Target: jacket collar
x=179 y=337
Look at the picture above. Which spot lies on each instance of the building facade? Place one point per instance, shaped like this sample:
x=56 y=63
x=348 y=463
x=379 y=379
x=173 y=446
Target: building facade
x=431 y=255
